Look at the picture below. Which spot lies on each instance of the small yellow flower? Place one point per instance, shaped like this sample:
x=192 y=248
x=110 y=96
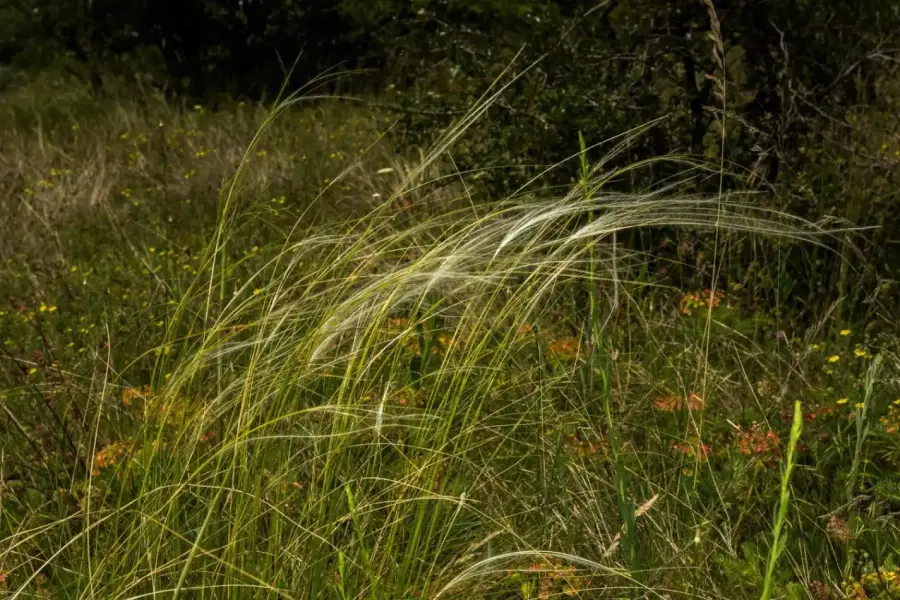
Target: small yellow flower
x=860 y=353
x=257 y=292
x=834 y=358
x=860 y=405
x=32 y=370
x=845 y=332
x=897 y=402
x=843 y=400
x=124 y=136
x=814 y=347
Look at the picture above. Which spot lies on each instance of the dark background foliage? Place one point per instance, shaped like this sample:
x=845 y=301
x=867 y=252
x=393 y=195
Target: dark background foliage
x=807 y=89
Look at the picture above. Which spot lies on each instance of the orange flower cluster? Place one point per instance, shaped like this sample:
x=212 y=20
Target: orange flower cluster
x=553 y=580
x=579 y=447
x=757 y=441
x=692 y=449
x=673 y=402
x=819 y=412
x=566 y=347
x=695 y=300
x=109 y=455
x=129 y=395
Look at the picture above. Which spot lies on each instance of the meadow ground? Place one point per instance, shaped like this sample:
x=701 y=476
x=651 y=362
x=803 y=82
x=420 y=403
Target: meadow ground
x=246 y=354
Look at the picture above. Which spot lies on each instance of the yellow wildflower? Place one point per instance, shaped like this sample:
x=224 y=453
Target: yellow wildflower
x=32 y=370
x=843 y=400
x=814 y=347
x=860 y=353
x=834 y=358
x=257 y=292
x=860 y=405
x=845 y=332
